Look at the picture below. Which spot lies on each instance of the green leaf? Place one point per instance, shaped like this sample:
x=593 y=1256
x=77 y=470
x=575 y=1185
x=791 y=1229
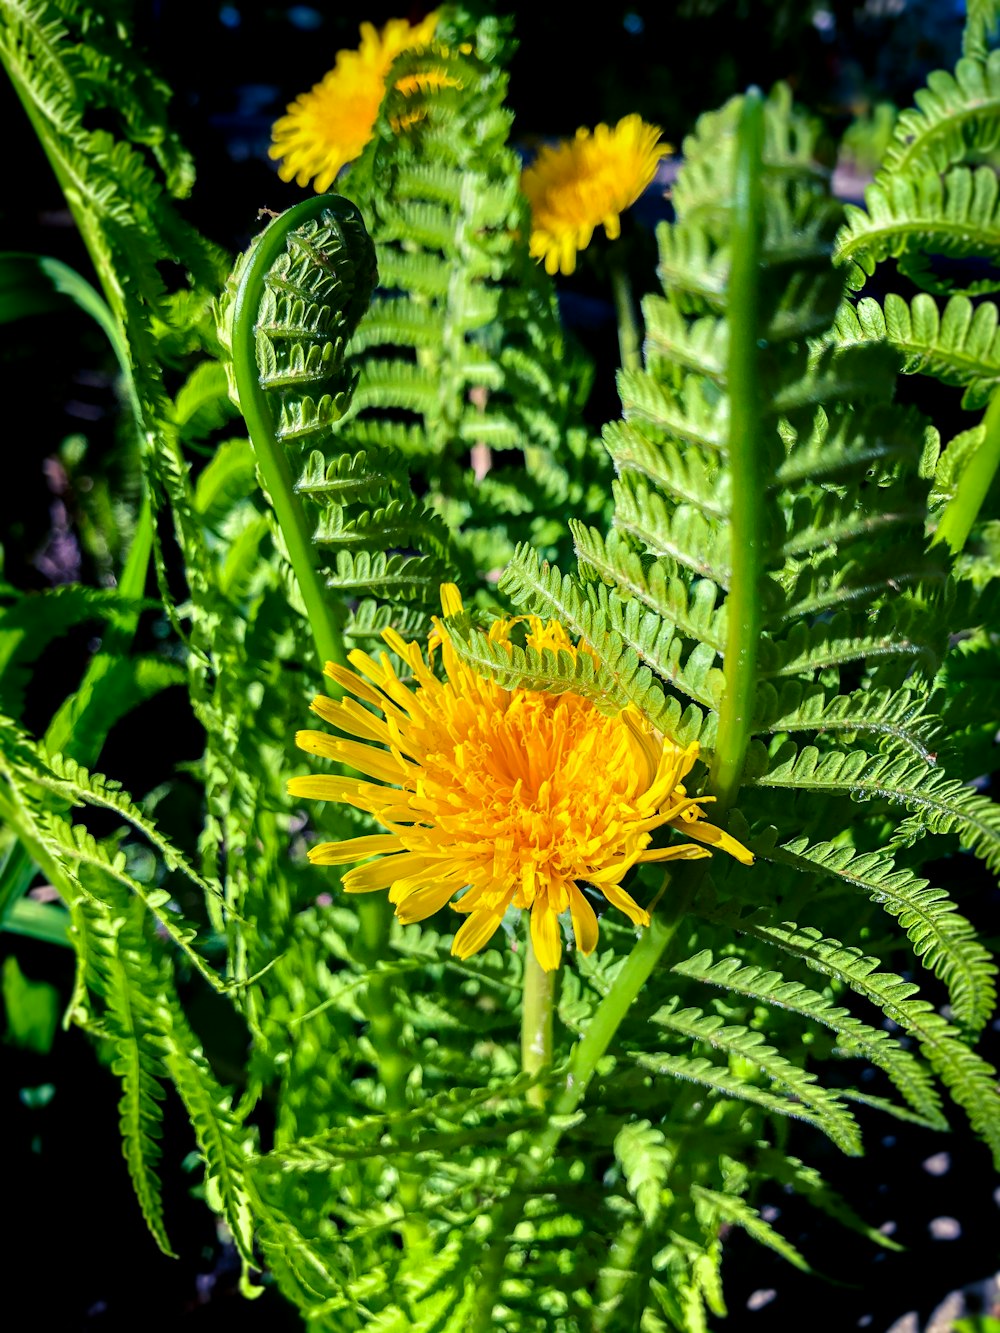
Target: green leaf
x=32 y=1009
x=39 y=285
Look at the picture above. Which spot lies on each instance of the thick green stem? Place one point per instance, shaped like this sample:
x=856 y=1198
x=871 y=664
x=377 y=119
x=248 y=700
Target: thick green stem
x=374 y=913
x=746 y=461
x=271 y=458
x=536 y=1021
x=629 y=329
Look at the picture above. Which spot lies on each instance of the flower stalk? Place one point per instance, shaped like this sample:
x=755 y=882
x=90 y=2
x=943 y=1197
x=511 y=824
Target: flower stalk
x=536 y=1021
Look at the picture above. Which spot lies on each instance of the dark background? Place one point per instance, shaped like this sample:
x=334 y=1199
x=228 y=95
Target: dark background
x=81 y=1257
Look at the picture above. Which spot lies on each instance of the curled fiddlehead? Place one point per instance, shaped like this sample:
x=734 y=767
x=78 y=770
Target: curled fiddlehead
x=348 y=521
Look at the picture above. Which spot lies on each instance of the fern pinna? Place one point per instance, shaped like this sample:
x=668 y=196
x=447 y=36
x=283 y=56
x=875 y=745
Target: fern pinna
x=765 y=589
x=934 y=210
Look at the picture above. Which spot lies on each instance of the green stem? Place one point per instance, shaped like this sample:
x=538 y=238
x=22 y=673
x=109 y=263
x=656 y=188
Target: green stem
x=637 y=969
x=536 y=1021
x=607 y=1019
x=974 y=482
x=629 y=329
x=746 y=461
x=271 y=458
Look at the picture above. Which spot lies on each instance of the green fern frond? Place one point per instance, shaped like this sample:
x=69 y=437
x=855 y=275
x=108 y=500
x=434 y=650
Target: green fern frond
x=128 y=981
x=31 y=623
x=941 y=938
x=624 y=636
x=68 y=851
x=899 y=716
x=805 y=1096
x=390 y=577
x=362 y=476
x=78 y=786
x=731 y=1208
x=396 y=524
x=874 y=1044
x=681 y=535
x=959 y=345
x=692 y=608
x=981 y=19
x=969 y=1078
x=369 y=618
x=940 y=804
x=223 y=1141
x=957 y=116
x=72 y=845
x=792 y=1173
x=956 y=214
x=646 y=1159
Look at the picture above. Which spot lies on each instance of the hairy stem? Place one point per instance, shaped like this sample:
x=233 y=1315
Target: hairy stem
x=746 y=460
x=536 y=1021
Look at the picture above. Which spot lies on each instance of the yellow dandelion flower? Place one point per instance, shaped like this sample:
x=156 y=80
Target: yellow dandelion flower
x=330 y=125
x=514 y=796
x=587 y=182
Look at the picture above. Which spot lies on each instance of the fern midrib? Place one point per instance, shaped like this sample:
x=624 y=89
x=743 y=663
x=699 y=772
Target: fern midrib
x=898 y=795
x=130 y=1107
x=324 y=622
x=844 y=530
x=745 y=447
x=854 y=725
x=629 y=463
x=861 y=649
x=867 y=592
x=911 y=1079
x=654 y=542
x=964 y=362
x=982 y=999
x=966 y=237
x=908 y=160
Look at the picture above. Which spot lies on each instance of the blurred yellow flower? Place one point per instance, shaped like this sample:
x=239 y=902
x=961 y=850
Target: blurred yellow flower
x=587 y=182
x=330 y=125
x=516 y=796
